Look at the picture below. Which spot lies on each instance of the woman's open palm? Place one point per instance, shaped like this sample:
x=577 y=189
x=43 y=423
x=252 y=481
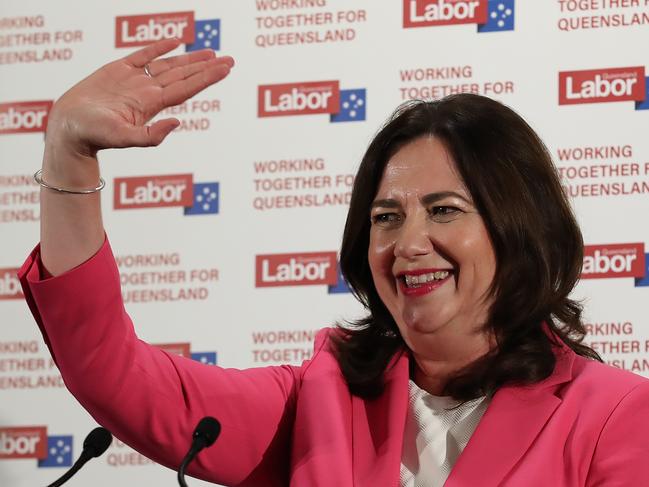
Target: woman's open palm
x=111 y=107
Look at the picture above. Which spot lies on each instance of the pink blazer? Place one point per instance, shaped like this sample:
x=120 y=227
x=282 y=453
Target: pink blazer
x=586 y=425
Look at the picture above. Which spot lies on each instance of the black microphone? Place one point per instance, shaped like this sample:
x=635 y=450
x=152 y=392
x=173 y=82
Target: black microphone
x=205 y=434
x=96 y=443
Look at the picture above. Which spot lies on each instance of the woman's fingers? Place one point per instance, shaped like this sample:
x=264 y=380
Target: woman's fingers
x=179 y=91
x=151 y=52
x=125 y=98
x=160 y=66
x=182 y=72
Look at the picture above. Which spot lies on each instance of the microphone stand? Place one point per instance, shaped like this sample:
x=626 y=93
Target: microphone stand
x=183 y=466
x=81 y=461
x=205 y=435
x=96 y=443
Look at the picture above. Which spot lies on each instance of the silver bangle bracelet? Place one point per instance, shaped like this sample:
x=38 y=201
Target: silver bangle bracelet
x=38 y=177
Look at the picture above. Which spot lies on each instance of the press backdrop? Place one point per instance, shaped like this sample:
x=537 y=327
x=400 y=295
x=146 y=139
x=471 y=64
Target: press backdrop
x=227 y=235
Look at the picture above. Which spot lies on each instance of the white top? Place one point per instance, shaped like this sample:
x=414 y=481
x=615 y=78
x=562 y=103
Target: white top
x=435 y=435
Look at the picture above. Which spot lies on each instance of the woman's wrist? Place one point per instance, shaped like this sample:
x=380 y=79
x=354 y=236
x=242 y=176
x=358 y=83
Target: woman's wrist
x=65 y=166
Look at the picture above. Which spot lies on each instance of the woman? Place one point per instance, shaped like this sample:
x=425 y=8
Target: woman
x=468 y=369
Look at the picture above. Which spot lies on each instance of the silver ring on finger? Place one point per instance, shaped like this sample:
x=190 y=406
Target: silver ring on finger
x=147 y=71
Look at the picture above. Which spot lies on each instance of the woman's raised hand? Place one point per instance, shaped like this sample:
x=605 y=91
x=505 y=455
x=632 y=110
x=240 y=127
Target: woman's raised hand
x=111 y=107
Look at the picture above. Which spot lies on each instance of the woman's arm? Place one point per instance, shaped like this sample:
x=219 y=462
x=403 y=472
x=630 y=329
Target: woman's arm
x=152 y=400
x=148 y=398
x=109 y=109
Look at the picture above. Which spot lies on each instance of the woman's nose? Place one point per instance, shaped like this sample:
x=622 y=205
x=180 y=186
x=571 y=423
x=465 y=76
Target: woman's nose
x=413 y=239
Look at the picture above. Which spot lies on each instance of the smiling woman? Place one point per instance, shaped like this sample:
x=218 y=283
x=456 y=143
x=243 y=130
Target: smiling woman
x=432 y=261
x=459 y=242
x=461 y=185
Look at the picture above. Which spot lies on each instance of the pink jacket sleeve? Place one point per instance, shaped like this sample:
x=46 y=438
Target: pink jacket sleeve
x=150 y=399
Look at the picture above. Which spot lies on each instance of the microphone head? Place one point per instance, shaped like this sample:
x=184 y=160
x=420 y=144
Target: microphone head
x=97 y=441
x=208 y=430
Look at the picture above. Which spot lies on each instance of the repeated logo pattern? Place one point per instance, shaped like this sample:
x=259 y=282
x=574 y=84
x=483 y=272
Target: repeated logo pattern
x=582 y=83
x=24 y=116
x=169 y=190
x=207 y=35
x=643 y=281
x=207 y=358
x=644 y=103
x=206 y=199
x=59 y=452
x=341 y=286
x=352 y=106
x=500 y=16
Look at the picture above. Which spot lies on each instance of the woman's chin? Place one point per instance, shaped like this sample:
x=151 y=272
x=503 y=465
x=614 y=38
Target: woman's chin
x=420 y=323
x=426 y=313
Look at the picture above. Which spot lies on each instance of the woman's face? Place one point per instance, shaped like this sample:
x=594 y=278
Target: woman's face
x=430 y=254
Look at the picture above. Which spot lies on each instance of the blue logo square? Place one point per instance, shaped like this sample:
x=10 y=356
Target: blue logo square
x=207 y=35
x=644 y=281
x=644 y=104
x=207 y=358
x=206 y=199
x=352 y=106
x=341 y=286
x=59 y=452
x=500 y=16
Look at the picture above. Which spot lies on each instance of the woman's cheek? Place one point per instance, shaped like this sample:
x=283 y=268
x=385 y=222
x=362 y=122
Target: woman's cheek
x=381 y=253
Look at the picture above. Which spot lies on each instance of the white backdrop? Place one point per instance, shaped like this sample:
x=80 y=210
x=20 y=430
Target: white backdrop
x=201 y=273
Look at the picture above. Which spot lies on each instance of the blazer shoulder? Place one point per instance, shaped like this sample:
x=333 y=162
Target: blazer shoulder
x=323 y=359
x=619 y=457
x=605 y=381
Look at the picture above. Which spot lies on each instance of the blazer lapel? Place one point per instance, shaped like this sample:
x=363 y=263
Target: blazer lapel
x=512 y=421
x=377 y=429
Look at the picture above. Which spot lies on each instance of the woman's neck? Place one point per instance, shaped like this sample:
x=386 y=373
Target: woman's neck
x=437 y=359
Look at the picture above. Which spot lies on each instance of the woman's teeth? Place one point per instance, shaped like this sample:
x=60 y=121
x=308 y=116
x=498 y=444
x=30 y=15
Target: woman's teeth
x=413 y=281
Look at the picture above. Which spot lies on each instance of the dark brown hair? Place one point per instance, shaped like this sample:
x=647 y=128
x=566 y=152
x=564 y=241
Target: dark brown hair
x=538 y=246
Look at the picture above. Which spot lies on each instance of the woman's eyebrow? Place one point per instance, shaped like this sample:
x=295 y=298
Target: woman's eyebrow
x=426 y=200
x=434 y=197
x=385 y=203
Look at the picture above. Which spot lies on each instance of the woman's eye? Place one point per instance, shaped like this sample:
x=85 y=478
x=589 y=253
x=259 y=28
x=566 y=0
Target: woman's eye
x=444 y=214
x=386 y=218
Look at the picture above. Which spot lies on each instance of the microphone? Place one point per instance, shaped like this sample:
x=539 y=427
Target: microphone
x=96 y=443
x=205 y=434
